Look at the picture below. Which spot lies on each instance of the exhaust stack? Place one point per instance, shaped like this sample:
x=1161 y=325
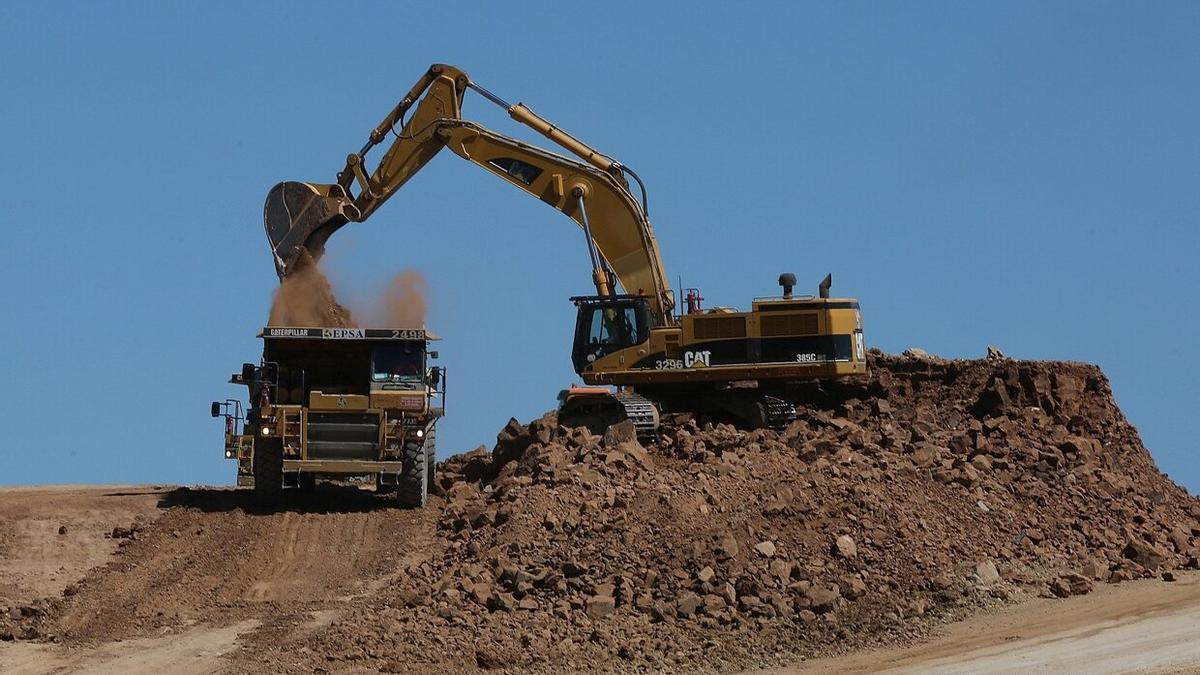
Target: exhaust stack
x=823 y=289
x=788 y=281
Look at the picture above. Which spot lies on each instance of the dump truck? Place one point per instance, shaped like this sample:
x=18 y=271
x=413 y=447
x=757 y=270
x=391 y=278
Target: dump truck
x=336 y=403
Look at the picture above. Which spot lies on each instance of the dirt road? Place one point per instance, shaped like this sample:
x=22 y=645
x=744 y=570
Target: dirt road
x=1144 y=627
x=201 y=583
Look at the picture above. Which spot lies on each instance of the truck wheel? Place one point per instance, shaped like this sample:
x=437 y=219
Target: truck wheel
x=412 y=488
x=431 y=461
x=268 y=472
x=307 y=482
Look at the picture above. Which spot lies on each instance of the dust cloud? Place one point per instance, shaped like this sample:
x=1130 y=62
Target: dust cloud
x=306 y=298
x=402 y=304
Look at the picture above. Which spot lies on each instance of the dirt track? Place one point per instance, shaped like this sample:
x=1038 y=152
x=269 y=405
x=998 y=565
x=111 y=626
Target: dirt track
x=230 y=576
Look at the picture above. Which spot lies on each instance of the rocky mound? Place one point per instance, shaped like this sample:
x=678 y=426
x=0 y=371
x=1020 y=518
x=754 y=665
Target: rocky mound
x=935 y=489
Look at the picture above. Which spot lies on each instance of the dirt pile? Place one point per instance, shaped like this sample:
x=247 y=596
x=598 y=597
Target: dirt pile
x=940 y=487
x=934 y=489
x=305 y=298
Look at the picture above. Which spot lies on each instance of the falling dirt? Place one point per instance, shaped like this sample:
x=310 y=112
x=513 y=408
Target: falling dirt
x=305 y=298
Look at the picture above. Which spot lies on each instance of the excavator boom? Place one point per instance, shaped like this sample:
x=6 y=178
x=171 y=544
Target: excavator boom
x=591 y=190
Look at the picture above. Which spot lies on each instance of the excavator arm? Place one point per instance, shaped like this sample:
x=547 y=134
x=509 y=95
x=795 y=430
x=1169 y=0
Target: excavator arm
x=590 y=188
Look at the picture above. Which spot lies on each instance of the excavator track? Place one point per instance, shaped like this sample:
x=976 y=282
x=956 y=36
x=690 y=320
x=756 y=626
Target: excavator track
x=779 y=413
x=641 y=411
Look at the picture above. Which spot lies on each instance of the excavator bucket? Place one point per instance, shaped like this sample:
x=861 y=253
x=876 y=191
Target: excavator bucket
x=301 y=216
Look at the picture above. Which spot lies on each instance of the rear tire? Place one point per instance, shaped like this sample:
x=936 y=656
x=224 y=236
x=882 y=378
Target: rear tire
x=268 y=472
x=412 y=487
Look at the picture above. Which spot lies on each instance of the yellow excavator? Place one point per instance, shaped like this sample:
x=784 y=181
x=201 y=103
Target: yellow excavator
x=725 y=365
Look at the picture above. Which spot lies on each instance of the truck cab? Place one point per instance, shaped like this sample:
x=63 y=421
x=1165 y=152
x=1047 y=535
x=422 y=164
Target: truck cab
x=335 y=403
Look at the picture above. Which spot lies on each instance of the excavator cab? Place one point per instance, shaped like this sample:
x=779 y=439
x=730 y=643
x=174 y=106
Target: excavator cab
x=606 y=324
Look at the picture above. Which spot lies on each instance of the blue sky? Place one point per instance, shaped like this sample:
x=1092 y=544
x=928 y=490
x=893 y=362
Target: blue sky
x=1017 y=174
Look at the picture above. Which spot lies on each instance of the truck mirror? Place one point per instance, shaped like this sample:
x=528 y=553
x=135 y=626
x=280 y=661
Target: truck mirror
x=433 y=354
x=248 y=372
x=216 y=409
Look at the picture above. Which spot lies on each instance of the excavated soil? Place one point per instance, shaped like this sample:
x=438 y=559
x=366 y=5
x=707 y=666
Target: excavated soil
x=935 y=490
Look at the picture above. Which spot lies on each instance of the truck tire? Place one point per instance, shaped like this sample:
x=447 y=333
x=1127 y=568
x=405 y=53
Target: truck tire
x=307 y=482
x=268 y=472
x=431 y=461
x=412 y=487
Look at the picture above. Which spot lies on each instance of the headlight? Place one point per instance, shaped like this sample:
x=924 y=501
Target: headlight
x=420 y=433
x=266 y=431
x=228 y=454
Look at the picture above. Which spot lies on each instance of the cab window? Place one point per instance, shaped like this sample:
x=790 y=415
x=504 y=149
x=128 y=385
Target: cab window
x=394 y=363
x=615 y=327
x=605 y=328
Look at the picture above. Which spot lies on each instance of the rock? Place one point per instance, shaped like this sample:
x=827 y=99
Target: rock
x=987 y=573
x=634 y=451
x=845 y=547
x=481 y=593
x=822 y=598
x=1179 y=539
x=765 y=548
x=994 y=354
x=727 y=546
x=622 y=432
x=62 y=529
x=600 y=606
x=1079 y=584
x=853 y=588
x=781 y=569
x=1094 y=570
x=706 y=574
x=1144 y=554
x=713 y=604
x=917 y=353
x=967 y=475
x=687 y=604
x=460 y=493
x=728 y=593
x=1071 y=584
x=488 y=659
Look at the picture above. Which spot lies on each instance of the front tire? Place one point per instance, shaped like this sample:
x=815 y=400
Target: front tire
x=412 y=487
x=307 y=482
x=268 y=472
x=431 y=461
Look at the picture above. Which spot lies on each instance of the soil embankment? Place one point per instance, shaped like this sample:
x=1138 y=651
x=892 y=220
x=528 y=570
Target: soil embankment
x=936 y=490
